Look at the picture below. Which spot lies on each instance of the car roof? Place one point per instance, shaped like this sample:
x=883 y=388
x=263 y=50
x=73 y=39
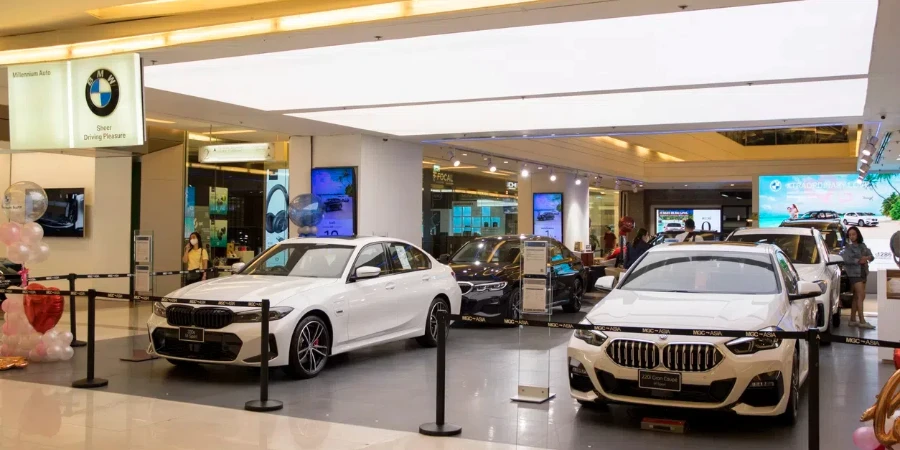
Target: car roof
x=797 y=231
x=723 y=246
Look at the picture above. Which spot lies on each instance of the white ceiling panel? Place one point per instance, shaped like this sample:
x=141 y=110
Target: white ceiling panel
x=769 y=42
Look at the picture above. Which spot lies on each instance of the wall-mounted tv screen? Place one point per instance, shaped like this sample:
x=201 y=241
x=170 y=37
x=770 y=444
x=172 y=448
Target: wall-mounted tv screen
x=548 y=215
x=336 y=187
x=65 y=213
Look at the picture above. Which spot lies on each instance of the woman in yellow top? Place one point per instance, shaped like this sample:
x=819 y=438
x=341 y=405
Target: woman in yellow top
x=195 y=257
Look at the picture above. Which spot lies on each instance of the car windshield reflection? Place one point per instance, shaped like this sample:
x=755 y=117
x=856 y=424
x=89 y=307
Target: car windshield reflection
x=302 y=260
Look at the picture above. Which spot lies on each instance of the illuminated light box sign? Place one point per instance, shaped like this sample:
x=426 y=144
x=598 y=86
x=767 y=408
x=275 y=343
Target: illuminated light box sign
x=784 y=198
x=672 y=219
x=548 y=215
x=336 y=187
x=85 y=103
x=229 y=153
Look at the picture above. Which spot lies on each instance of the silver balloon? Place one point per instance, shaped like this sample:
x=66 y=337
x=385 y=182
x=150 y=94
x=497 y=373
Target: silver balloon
x=306 y=210
x=24 y=202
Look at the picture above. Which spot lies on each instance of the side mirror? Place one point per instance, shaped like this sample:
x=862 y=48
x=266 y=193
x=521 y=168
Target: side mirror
x=237 y=267
x=367 y=272
x=605 y=283
x=444 y=259
x=834 y=260
x=806 y=289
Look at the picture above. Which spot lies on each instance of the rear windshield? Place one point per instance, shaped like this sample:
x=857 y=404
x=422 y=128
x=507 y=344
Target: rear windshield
x=703 y=272
x=800 y=249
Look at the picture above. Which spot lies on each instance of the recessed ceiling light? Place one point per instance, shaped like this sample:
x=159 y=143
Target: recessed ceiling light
x=732 y=184
x=685 y=185
x=216 y=133
x=158 y=120
x=330 y=77
x=505 y=162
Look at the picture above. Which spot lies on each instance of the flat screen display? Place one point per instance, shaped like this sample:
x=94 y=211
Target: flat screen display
x=672 y=219
x=336 y=187
x=65 y=213
x=785 y=198
x=548 y=215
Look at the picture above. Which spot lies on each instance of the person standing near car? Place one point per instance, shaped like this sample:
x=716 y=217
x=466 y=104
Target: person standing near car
x=636 y=248
x=857 y=257
x=196 y=257
x=689 y=235
x=609 y=240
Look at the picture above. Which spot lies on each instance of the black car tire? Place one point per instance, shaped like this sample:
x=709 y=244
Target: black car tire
x=861 y=223
x=182 y=363
x=307 y=339
x=574 y=304
x=792 y=412
x=836 y=320
x=515 y=304
x=846 y=300
x=429 y=339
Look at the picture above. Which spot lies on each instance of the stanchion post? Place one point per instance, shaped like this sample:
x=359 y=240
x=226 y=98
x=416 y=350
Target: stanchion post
x=264 y=404
x=439 y=428
x=813 y=403
x=90 y=381
x=72 y=326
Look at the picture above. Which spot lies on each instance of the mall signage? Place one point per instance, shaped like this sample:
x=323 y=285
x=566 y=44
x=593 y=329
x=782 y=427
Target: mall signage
x=233 y=153
x=84 y=103
x=442 y=177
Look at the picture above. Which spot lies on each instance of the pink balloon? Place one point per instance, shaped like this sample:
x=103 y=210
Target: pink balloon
x=4 y=350
x=32 y=233
x=40 y=251
x=41 y=349
x=10 y=233
x=18 y=252
x=4 y=307
x=9 y=329
x=864 y=438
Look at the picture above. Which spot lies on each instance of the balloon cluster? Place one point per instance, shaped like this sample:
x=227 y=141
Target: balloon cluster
x=24 y=203
x=884 y=432
x=306 y=211
x=28 y=327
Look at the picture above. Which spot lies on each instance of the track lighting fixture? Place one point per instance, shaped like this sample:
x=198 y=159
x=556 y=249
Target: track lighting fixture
x=491 y=165
x=552 y=175
x=524 y=172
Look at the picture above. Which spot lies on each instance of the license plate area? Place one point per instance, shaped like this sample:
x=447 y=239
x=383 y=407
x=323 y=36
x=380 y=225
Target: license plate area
x=191 y=334
x=659 y=381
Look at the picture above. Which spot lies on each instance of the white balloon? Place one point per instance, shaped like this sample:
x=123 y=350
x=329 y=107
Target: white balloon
x=55 y=352
x=12 y=341
x=16 y=305
x=32 y=233
x=40 y=251
x=34 y=356
x=18 y=252
x=67 y=354
x=66 y=338
x=49 y=338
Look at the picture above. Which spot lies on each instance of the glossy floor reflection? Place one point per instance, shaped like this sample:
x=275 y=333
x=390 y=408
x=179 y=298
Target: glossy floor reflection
x=391 y=387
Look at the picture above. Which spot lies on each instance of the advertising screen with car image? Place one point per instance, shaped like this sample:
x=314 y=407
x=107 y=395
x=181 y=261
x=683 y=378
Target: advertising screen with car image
x=872 y=204
x=65 y=213
x=672 y=219
x=336 y=187
x=548 y=213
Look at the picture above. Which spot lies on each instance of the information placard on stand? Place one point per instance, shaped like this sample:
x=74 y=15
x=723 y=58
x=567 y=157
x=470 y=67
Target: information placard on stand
x=536 y=300
x=141 y=284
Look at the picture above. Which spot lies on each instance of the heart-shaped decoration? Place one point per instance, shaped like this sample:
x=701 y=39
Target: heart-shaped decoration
x=43 y=311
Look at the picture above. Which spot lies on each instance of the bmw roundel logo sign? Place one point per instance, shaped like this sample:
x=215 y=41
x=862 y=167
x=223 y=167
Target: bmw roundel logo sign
x=102 y=92
x=775 y=185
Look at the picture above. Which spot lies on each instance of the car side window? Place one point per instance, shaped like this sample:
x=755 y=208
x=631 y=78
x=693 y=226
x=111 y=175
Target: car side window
x=402 y=259
x=372 y=255
x=556 y=253
x=791 y=279
x=418 y=259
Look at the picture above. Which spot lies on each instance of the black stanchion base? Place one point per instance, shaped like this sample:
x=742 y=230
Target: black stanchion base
x=138 y=356
x=89 y=384
x=263 y=405
x=433 y=429
x=77 y=343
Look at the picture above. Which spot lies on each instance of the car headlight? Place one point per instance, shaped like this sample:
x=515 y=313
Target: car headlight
x=256 y=315
x=159 y=309
x=592 y=337
x=489 y=287
x=750 y=345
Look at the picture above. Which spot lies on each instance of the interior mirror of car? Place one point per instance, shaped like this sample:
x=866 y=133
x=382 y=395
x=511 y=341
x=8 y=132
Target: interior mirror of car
x=367 y=272
x=835 y=259
x=605 y=283
x=807 y=289
x=444 y=259
x=237 y=267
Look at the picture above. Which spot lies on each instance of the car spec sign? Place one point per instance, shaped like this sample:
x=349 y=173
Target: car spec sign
x=85 y=103
x=548 y=215
x=336 y=188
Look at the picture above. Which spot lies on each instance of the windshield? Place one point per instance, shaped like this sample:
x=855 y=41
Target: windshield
x=703 y=272
x=834 y=240
x=302 y=260
x=502 y=252
x=799 y=249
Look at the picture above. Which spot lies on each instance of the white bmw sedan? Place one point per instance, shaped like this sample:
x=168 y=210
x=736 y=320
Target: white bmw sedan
x=328 y=296
x=716 y=286
x=808 y=251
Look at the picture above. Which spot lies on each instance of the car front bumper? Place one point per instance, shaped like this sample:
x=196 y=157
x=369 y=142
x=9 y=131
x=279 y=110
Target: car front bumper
x=487 y=303
x=594 y=376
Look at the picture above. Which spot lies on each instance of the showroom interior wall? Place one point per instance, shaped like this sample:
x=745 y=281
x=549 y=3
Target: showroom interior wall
x=389 y=179
x=106 y=247
x=576 y=211
x=162 y=211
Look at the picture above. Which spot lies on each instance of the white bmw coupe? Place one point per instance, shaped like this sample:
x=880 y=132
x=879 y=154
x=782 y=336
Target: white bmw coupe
x=712 y=286
x=328 y=296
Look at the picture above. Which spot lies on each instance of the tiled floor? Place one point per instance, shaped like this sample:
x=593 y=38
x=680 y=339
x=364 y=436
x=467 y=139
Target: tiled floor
x=389 y=388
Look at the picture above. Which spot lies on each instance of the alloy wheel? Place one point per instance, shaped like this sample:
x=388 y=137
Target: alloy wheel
x=577 y=294
x=312 y=347
x=515 y=305
x=439 y=307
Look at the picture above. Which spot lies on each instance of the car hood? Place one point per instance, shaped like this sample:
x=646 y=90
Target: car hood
x=484 y=271
x=688 y=310
x=248 y=288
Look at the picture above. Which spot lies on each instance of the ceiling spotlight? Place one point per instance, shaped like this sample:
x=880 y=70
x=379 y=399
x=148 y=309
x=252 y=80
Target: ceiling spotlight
x=525 y=172
x=540 y=167
x=577 y=180
x=465 y=154
x=552 y=175
x=864 y=160
x=505 y=162
x=491 y=165
x=453 y=159
x=868 y=149
x=732 y=184
x=634 y=188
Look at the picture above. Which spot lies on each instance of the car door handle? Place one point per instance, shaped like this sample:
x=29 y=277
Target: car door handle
x=426 y=278
x=390 y=286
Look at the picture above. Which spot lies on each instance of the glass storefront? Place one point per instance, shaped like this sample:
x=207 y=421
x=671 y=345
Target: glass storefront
x=458 y=206
x=604 y=219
